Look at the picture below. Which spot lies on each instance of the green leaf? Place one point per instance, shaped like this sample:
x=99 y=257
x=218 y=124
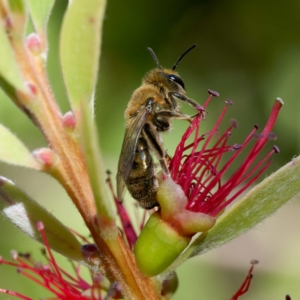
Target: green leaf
x=13 y=151
x=40 y=12
x=79 y=53
x=9 y=90
x=80 y=50
x=9 y=69
x=95 y=167
x=24 y=212
x=17 y=6
x=259 y=203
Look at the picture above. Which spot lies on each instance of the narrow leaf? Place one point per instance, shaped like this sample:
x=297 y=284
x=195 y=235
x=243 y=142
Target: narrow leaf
x=40 y=12
x=9 y=90
x=24 y=212
x=95 y=168
x=13 y=151
x=80 y=49
x=9 y=69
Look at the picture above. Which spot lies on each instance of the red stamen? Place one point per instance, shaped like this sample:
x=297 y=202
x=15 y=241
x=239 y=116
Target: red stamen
x=197 y=172
x=246 y=284
x=40 y=227
x=52 y=277
x=175 y=163
x=14 y=294
x=128 y=229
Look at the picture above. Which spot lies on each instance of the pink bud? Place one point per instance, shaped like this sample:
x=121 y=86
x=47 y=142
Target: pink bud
x=45 y=156
x=40 y=226
x=32 y=88
x=8 y=23
x=33 y=43
x=69 y=120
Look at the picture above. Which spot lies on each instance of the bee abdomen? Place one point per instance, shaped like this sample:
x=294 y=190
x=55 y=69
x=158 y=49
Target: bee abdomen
x=142 y=183
x=143 y=189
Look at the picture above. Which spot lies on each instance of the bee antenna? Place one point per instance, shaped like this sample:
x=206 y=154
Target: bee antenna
x=154 y=57
x=182 y=56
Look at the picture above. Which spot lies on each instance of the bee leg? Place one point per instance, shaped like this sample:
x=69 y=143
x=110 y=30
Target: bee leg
x=164 y=167
x=167 y=157
x=154 y=141
x=191 y=102
x=178 y=115
x=174 y=114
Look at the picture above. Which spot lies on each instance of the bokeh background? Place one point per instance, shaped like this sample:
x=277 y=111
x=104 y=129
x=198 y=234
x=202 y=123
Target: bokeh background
x=249 y=51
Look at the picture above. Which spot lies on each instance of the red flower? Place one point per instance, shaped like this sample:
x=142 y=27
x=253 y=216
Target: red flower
x=198 y=166
x=200 y=186
x=62 y=284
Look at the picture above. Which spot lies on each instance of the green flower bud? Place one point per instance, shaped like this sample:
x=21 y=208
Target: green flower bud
x=158 y=245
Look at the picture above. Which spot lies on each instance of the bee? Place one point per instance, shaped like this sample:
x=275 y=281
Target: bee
x=149 y=113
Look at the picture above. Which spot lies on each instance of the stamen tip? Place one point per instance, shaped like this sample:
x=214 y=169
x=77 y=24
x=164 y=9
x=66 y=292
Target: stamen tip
x=276 y=149
x=272 y=136
x=256 y=126
x=279 y=100
x=14 y=254
x=257 y=135
x=254 y=262
x=213 y=93
x=200 y=108
x=228 y=102
x=40 y=226
x=235 y=147
x=234 y=123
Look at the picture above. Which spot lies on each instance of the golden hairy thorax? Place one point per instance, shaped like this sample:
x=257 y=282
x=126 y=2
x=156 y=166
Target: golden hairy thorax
x=157 y=87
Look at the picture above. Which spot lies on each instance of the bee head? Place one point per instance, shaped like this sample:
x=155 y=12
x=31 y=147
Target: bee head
x=165 y=77
x=172 y=78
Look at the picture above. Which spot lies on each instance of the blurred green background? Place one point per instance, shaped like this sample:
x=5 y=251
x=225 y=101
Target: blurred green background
x=248 y=51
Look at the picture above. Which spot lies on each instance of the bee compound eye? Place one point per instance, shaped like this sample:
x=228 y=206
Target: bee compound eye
x=176 y=79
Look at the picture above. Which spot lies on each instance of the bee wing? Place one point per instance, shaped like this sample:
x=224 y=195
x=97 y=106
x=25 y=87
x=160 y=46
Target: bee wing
x=131 y=137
